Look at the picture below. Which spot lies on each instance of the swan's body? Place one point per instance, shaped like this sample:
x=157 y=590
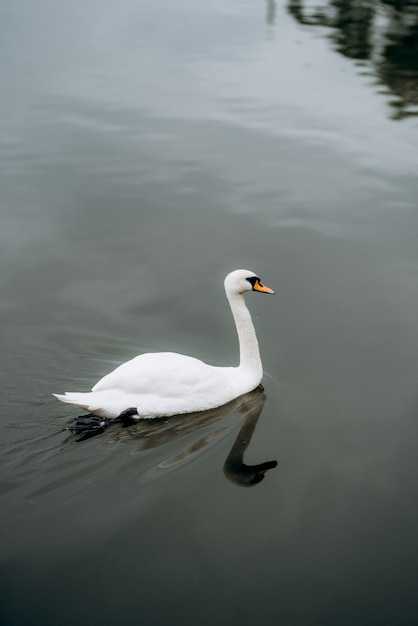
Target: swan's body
x=164 y=383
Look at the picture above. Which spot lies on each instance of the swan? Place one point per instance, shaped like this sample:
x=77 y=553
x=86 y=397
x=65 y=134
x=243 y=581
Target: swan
x=165 y=383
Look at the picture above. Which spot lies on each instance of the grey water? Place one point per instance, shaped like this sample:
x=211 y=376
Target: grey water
x=147 y=149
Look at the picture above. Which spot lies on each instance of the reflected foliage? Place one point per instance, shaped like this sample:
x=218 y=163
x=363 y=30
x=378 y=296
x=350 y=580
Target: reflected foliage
x=382 y=35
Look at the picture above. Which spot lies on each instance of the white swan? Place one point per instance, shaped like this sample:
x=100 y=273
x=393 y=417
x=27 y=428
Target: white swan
x=164 y=383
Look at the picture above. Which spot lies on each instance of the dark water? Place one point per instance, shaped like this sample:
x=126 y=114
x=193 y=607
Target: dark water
x=147 y=149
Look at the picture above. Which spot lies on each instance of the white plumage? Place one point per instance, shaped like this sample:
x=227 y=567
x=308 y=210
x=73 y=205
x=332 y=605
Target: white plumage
x=165 y=383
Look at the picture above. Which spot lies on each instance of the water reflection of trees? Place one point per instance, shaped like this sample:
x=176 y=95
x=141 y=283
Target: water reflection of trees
x=383 y=33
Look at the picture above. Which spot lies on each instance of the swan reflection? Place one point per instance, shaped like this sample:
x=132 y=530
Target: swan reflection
x=234 y=467
x=155 y=433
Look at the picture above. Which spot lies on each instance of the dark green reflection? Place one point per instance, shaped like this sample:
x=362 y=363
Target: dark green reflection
x=384 y=34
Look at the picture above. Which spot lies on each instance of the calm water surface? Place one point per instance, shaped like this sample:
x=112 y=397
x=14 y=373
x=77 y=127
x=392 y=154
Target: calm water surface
x=147 y=149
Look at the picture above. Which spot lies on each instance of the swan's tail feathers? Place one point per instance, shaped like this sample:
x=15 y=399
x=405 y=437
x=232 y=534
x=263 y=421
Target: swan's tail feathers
x=78 y=399
x=97 y=419
x=85 y=425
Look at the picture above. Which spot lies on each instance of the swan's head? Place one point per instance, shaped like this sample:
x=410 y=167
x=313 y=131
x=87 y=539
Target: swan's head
x=241 y=281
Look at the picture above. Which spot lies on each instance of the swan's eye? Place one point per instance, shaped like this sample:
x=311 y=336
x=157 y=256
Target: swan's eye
x=253 y=280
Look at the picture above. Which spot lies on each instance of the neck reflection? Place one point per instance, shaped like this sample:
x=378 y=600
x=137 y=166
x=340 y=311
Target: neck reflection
x=234 y=467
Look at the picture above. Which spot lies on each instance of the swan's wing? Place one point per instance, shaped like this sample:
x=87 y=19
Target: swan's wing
x=162 y=373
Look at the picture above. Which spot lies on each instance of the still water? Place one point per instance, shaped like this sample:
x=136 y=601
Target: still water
x=147 y=149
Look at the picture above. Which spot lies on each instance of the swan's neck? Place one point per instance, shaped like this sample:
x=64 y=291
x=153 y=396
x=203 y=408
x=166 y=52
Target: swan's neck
x=248 y=344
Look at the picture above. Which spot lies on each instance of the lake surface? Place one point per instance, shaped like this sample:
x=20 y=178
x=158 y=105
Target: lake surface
x=147 y=149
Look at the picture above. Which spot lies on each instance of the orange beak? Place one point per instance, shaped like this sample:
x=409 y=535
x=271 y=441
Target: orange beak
x=260 y=287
